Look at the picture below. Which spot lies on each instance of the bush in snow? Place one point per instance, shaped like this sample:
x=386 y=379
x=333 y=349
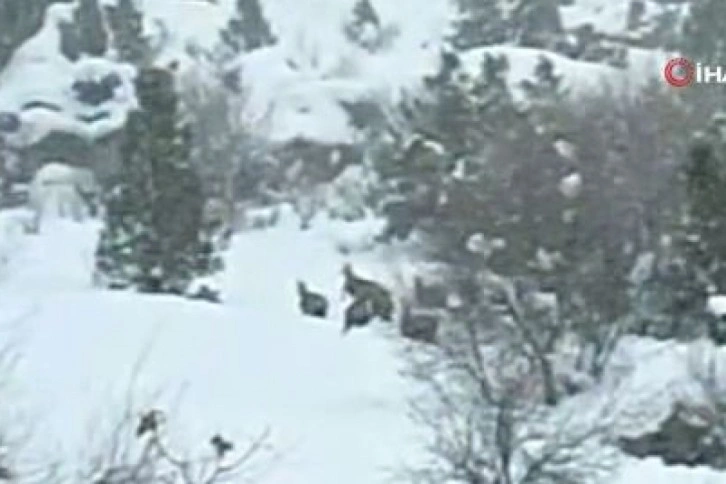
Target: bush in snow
x=349 y=196
x=154 y=239
x=487 y=426
x=62 y=191
x=152 y=460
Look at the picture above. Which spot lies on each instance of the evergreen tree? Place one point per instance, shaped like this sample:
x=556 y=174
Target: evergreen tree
x=706 y=228
x=704 y=39
x=535 y=23
x=19 y=20
x=86 y=34
x=365 y=28
x=249 y=30
x=153 y=239
x=480 y=23
x=89 y=19
x=126 y=23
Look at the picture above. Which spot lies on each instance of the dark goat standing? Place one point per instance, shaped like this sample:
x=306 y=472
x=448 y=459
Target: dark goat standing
x=358 y=314
x=311 y=303
x=363 y=289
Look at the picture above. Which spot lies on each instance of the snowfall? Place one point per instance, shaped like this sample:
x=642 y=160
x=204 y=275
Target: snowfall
x=336 y=406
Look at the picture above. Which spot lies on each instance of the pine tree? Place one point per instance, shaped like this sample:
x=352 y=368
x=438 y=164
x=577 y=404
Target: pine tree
x=19 y=20
x=249 y=30
x=480 y=23
x=88 y=17
x=364 y=29
x=153 y=239
x=706 y=228
x=86 y=34
x=126 y=23
x=535 y=22
x=703 y=38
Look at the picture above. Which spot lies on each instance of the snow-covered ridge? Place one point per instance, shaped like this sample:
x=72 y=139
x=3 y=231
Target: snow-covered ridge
x=577 y=76
x=44 y=92
x=297 y=84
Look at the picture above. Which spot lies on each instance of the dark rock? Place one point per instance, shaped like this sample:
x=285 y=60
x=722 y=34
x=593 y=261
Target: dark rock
x=205 y=293
x=684 y=438
x=93 y=93
x=9 y=122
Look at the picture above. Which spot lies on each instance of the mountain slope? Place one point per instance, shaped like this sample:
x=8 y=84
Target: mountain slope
x=335 y=405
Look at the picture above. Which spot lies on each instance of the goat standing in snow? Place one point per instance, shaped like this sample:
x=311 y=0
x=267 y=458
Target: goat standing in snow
x=311 y=303
x=363 y=289
x=358 y=314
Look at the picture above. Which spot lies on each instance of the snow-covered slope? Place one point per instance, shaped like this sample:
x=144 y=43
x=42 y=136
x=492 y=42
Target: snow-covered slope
x=577 y=76
x=335 y=405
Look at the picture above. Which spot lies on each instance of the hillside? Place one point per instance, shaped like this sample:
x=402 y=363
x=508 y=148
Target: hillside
x=83 y=363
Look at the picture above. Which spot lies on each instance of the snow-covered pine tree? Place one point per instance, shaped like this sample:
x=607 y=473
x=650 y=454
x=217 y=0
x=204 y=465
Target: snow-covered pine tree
x=364 y=25
x=249 y=29
x=126 y=23
x=154 y=239
x=365 y=28
x=706 y=228
x=534 y=23
x=86 y=34
x=93 y=35
x=703 y=37
x=479 y=23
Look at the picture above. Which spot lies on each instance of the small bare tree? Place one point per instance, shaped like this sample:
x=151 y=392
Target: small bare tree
x=227 y=135
x=158 y=463
x=137 y=450
x=488 y=425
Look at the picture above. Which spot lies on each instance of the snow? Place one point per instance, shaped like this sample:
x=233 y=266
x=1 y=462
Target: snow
x=297 y=84
x=607 y=16
x=336 y=405
x=580 y=78
x=717 y=304
x=652 y=470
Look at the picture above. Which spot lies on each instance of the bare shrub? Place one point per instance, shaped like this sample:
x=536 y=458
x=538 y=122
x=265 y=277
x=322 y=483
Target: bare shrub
x=487 y=423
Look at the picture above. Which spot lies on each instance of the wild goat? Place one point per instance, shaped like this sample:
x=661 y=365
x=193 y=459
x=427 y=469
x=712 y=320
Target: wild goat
x=358 y=314
x=364 y=289
x=311 y=303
